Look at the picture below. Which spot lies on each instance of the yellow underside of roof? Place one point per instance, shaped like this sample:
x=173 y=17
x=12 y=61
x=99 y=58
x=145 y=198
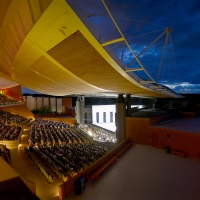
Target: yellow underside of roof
x=47 y=48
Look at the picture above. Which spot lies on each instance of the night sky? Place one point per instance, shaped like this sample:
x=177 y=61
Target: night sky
x=141 y=22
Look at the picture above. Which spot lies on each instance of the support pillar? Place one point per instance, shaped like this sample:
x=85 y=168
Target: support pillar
x=154 y=104
x=79 y=111
x=120 y=118
x=128 y=105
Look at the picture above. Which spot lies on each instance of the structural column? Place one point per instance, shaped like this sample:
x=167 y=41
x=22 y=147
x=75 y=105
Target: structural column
x=128 y=105
x=154 y=104
x=79 y=111
x=120 y=118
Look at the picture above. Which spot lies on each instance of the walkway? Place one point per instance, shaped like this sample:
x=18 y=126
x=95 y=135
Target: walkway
x=146 y=173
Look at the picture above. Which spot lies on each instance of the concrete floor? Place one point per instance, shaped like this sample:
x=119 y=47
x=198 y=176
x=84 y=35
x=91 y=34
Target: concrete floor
x=142 y=173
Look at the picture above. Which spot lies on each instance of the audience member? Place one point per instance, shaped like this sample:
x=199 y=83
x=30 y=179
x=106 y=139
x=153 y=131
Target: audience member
x=9 y=125
x=57 y=145
x=4 y=100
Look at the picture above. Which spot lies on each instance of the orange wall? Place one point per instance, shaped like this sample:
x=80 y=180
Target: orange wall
x=189 y=114
x=137 y=130
x=15 y=92
x=67 y=102
x=19 y=109
x=180 y=140
x=140 y=131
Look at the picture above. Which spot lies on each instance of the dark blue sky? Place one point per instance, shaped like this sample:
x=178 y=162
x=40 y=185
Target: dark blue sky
x=181 y=63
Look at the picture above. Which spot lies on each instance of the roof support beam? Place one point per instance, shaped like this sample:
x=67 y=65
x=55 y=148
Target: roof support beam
x=133 y=69
x=161 y=89
x=112 y=42
x=144 y=50
x=155 y=86
x=137 y=59
x=168 y=31
x=146 y=82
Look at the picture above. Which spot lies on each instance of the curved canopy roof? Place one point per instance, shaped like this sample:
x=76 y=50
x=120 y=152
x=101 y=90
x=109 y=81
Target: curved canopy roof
x=49 y=46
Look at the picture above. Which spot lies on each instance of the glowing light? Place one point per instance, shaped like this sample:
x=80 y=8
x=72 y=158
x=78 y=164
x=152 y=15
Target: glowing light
x=90 y=133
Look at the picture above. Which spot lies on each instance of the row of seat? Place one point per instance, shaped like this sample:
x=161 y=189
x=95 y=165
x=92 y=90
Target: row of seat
x=4 y=99
x=51 y=137
x=99 y=134
x=8 y=132
x=46 y=132
x=40 y=166
x=53 y=165
x=10 y=127
x=9 y=118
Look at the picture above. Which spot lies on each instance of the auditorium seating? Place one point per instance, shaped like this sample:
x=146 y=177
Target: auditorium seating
x=99 y=134
x=58 y=146
x=8 y=118
x=6 y=100
x=40 y=165
x=9 y=132
x=9 y=125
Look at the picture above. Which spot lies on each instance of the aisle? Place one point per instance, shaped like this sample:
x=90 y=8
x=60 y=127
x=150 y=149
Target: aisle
x=146 y=173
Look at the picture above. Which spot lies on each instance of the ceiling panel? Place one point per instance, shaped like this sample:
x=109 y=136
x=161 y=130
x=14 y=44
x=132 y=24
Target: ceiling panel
x=59 y=75
x=3 y=9
x=77 y=55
